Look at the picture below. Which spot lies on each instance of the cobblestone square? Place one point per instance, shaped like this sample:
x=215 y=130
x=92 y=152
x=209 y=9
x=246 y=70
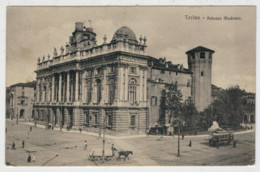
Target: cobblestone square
x=147 y=150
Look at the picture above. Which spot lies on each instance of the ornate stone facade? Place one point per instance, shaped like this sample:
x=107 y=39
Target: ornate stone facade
x=110 y=85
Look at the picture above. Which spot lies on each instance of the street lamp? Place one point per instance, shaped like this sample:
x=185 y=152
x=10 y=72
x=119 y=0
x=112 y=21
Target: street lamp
x=104 y=132
x=179 y=122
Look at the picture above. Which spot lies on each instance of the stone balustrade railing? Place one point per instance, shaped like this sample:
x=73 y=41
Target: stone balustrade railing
x=95 y=51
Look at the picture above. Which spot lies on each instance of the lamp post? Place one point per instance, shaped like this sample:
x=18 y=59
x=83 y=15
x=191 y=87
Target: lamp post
x=179 y=122
x=104 y=141
x=17 y=114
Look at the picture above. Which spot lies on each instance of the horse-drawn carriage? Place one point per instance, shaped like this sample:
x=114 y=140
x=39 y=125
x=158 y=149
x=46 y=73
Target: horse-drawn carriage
x=97 y=155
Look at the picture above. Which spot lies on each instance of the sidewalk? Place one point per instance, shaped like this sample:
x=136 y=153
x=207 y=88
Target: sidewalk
x=123 y=137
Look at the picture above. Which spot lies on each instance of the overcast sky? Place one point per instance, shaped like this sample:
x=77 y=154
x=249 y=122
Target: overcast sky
x=33 y=32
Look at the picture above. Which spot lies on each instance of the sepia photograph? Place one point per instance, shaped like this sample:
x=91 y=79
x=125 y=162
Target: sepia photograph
x=130 y=86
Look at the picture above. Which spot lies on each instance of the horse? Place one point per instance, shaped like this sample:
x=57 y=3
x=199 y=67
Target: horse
x=124 y=153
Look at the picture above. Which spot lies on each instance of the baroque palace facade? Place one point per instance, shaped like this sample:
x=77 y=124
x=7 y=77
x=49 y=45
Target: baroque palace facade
x=114 y=84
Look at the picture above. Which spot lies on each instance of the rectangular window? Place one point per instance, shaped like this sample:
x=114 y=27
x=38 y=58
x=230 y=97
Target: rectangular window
x=112 y=69
x=202 y=55
x=162 y=71
x=193 y=56
x=98 y=71
x=133 y=70
x=22 y=93
x=132 y=121
x=22 y=102
x=202 y=74
x=109 y=120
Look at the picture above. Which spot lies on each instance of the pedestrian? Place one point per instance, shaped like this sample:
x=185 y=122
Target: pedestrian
x=234 y=144
x=30 y=128
x=251 y=127
x=33 y=157
x=190 y=144
x=29 y=158
x=86 y=145
x=182 y=136
x=23 y=144
x=113 y=150
x=80 y=129
x=217 y=144
x=13 y=146
x=52 y=127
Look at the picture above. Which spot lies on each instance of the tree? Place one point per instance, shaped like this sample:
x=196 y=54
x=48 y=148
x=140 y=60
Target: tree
x=228 y=107
x=190 y=115
x=163 y=108
x=173 y=101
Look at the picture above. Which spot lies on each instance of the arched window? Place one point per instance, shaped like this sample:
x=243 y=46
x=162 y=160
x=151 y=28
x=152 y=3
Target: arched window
x=99 y=90
x=111 y=90
x=132 y=91
x=89 y=90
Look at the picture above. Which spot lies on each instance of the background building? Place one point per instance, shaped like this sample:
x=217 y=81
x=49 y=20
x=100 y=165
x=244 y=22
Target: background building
x=114 y=84
x=20 y=100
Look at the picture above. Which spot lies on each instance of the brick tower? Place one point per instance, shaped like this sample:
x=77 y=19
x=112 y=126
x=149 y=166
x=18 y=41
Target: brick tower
x=200 y=61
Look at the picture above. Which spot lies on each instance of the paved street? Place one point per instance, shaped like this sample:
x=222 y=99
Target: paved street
x=152 y=150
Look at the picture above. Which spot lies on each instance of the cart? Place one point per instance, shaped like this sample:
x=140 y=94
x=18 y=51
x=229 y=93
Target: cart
x=96 y=155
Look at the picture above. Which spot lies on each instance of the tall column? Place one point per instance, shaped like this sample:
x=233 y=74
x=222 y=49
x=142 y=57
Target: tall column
x=126 y=83
x=53 y=86
x=38 y=92
x=68 y=87
x=145 y=85
x=67 y=118
x=60 y=80
x=77 y=86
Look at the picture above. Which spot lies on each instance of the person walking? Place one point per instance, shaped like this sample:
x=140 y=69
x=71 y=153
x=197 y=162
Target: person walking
x=234 y=144
x=85 y=145
x=190 y=144
x=29 y=158
x=113 y=150
x=13 y=146
x=23 y=144
x=80 y=129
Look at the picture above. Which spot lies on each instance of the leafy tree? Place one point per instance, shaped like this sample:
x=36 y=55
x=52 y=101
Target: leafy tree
x=173 y=101
x=228 y=107
x=190 y=115
x=163 y=108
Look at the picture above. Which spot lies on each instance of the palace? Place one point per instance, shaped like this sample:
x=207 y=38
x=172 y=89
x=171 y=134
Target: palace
x=115 y=84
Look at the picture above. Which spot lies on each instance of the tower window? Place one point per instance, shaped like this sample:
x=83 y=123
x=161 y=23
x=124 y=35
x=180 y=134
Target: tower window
x=201 y=73
x=193 y=56
x=210 y=55
x=202 y=55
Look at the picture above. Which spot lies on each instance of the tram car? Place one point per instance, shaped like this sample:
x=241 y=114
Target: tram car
x=220 y=137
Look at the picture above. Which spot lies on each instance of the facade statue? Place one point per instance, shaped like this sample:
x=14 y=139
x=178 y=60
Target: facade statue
x=55 y=52
x=61 y=50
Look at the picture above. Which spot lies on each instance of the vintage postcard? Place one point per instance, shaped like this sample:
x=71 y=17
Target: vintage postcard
x=130 y=86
